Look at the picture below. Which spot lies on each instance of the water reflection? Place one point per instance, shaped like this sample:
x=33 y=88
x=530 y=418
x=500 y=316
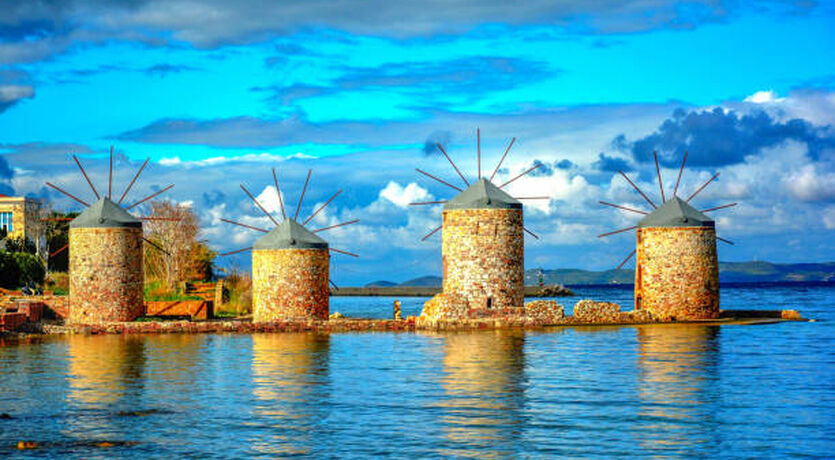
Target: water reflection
x=105 y=370
x=290 y=376
x=677 y=388
x=484 y=394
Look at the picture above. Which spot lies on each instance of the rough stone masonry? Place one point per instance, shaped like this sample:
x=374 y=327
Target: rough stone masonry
x=106 y=274
x=677 y=273
x=483 y=257
x=290 y=284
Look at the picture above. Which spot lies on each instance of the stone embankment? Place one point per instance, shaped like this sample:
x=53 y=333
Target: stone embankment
x=538 y=314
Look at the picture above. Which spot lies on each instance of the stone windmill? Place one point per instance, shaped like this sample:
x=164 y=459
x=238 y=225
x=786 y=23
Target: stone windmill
x=677 y=269
x=482 y=240
x=106 y=258
x=290 y=264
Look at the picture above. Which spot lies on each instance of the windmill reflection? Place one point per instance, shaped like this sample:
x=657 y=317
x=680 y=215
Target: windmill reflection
x=105 y=370
x=106 y=375
x=484 y=393
x=677 y=388
x=290 y=373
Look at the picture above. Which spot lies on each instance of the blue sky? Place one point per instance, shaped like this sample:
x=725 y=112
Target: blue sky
x=217 y=94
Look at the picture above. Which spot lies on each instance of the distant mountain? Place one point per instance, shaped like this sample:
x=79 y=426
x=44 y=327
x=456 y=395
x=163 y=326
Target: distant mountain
x=381 y=284
x=729 y=272
x=432 y=281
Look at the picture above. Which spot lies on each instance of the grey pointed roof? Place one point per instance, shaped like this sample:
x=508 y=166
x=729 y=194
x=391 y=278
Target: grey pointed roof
x=290 y=235
x=483 y=195
x=676 y=213
x=105 y=214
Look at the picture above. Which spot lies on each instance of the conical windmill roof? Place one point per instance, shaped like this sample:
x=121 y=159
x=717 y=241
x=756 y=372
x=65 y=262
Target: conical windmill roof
x=676 y=213
x=483 y=195
x=105 y=214
x=290 y=235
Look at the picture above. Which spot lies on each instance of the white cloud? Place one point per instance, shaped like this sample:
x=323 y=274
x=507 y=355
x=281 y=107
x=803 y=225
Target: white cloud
x=764 y=97
x=829 y=217
x=402 y=196
x=269 y=200
x=809 y=184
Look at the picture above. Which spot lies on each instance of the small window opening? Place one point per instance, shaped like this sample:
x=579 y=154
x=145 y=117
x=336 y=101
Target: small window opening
x=489 y=303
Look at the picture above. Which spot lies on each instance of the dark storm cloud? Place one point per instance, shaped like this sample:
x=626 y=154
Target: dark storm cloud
x=6 y=175
x=161 y=70
x=13 y=94
x=431 y=82
x=33 y=30
x=565 y=164
x=606 y=163
x=430 y=146
x=545 y=169
x=718 y=137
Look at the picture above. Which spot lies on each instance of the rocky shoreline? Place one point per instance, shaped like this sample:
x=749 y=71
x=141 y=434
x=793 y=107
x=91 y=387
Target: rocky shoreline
x=539 y=315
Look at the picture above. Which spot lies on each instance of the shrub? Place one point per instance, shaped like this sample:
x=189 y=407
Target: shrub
x=17 y=269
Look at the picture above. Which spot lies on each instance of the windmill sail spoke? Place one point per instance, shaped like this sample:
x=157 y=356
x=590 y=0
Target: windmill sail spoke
x=478 y=143
x=702 y=187
x=333 y=284
x=680 y=171
x=58 y=251
x=718 y=207
x=134 y=180
x=301 y=198
x=638 y=189
x=725 y=241
x=337 y=225
x=344 y=252
x=278 y=193
x=235 y=252
x=110 y=178
x=530 y=232
x=259 y=204
x=239 y=224
x=618 y=231
x=660 y=182
x=84 y=173
x=502 y=159
x=67 y=193
x=162 y=219
x=441 y=148
x=150 y=196
x=421 y=203
x=531 y=197
x=520 y=175
x=437 y=179
x=626 y=259
x=156 y=246
x=321 y=207
x=623 y=207
x=431 y=233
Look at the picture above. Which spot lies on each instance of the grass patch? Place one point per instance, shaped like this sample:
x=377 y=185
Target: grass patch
x=156 y=291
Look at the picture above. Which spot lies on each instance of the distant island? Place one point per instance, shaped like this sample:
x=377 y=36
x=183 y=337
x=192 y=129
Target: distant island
x=729 y=272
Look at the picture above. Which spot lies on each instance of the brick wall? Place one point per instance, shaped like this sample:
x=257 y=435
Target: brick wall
x=106 y=275
x=483 y=257
x=290 y=284
x=677 y=273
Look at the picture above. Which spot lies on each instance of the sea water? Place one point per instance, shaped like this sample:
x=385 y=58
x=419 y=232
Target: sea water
x=668 y=391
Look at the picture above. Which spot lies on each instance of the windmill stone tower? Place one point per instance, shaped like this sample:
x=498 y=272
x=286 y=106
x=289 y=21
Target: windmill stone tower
x=677 y=268
x=107 y=272
x=483 y=247
x=290 y=274
x=290 y=264
x=106 y=265
x=677 y=271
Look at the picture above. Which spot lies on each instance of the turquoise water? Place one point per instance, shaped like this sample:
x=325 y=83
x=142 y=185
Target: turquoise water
x=652 y=391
